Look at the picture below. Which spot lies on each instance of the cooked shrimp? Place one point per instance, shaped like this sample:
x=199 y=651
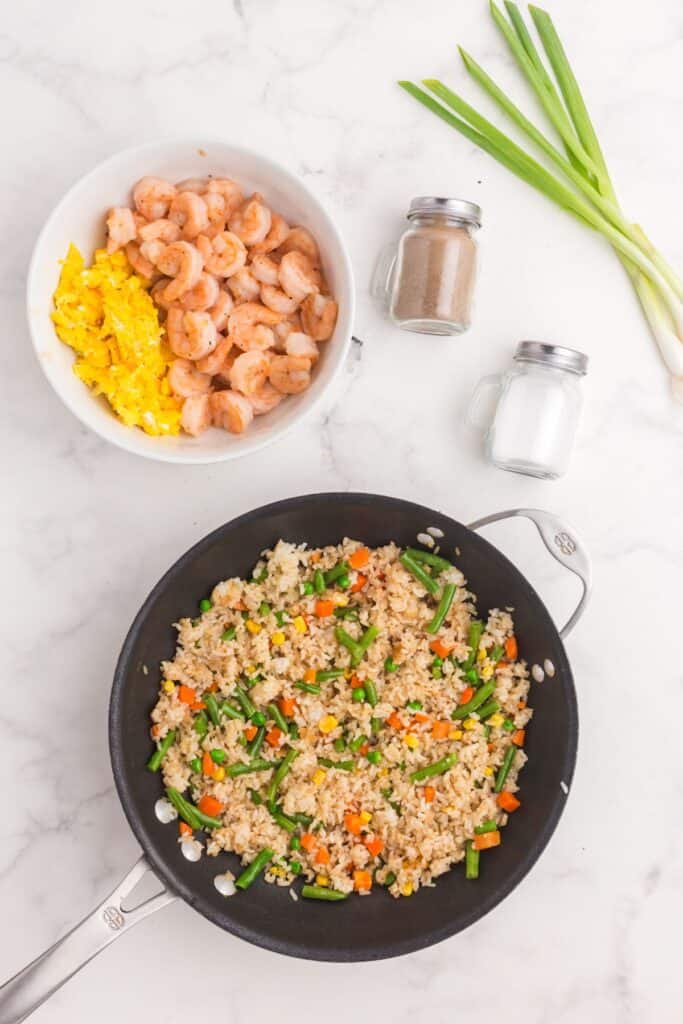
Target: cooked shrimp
x=183 y=262
x=231 y=411
x=264 y=269
x=138 y=262
x=279 y=229
x=277 y=300
x=249 y=372
x=189 y=212
x=221 y=309
x=299 y=344
x=251 y=222
x=121 y=228
x=152 y=197
x=229 y=191
x=191 y=335
x=157 y=293
x=245 y=317
x=215 y=207
x=244 y=286
x=195 y=416
x=198 y=185
x=203 y=295
x=265 y=399
x=318 y=316
x=284 y=329
x=224 y=254
x=297 y=275
x=185 y=380
x=215 y=361
x=301 y=240
x=289 y=374
x=258 y=338
x=152 y=250
x=163 y=229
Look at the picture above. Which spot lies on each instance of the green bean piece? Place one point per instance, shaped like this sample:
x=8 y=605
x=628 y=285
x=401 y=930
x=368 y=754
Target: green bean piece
x=438 y=768
x=307 y=588
x=282 y=769
x=509 y=725
x=264 y=608
x=295 y=843
x=320 y=892
x=346 y=613
x=355 y=745
x=196 y=764
x=212 y=708
x=374 y=756
x=336 y=572
x=201 y=725
x=480 y=698
x=371 y=693
x=486 y=826
x=505 y=768
x=496 y=653
x=443 y=608
x=347 y=641
x=389 y=879
x=255 y=797
x=416 y=570
x=205 y=605
x=259 y=764
x=217 y=755
x=488 y=709
x=435 y=561
x=154 y=763
x=307 y=687
x=358 y=695
x=343 y=766
x=246 y=702
x=325 y=675
x=473 y=638
x=339 y=744
x=368 y=637
x=283 y=820
x=437 y=671
x=245 y=615
x=258 y=718
x=318 y=582
x=188 y=812
x=376 y=725
x=390 y=665
x=254 y=746
x=279 y=719
x=293 y=731
x=229 y=634
x=302 y=819
x=281 y=618
x=230 y=711
x=471 y=861
x=255 y=868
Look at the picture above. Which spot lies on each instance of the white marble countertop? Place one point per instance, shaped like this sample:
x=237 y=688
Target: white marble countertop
x=592 y=934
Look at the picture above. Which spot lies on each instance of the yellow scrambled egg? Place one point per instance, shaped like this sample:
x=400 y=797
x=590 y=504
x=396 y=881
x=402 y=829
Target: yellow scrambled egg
x=105 y=313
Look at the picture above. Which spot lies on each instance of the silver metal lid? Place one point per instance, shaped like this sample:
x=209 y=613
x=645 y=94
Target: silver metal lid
x=552 y=355
x=454 y=209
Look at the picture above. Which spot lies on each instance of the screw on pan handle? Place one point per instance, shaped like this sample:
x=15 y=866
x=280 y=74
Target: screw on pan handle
x=563 y=544
x=23 y=993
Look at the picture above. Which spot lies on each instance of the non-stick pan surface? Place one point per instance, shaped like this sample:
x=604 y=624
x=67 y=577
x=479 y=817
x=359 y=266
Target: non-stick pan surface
x=375 y=926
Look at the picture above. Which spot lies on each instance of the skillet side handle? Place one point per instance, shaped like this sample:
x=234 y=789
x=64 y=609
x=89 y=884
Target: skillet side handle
x=23 y=993
x=563 y=544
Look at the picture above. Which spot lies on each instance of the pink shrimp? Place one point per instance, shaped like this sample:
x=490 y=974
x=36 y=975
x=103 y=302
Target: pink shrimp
x=301 y=240
x=183 y=262
x=215 y=208
x=152 y=250
x=264 y=269
x=277 y=300
x=152 y=197
x=289 y=374
x=224 y=254
x=221 y=309
x=189 y=212
x=318 y=316
x=251 y=222
x=229 y=191
x=185 y=380
x=244 y=286
x=279 y=230
x=195 y=416
x=139 y=263
x=121 y=228
x=284 y=329
x=257 y=339
x=157 y=294
x=163 y=229
x=191 y=335
x=215 y=361
x=246 y=316
x=203 y=295
x=265 y=398
x=231 y=411
x=299 y=344
x=297 y=275
x=249 y=372
x=198 y=185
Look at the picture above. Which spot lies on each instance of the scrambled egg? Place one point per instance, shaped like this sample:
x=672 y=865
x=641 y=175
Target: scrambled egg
x=106 y=315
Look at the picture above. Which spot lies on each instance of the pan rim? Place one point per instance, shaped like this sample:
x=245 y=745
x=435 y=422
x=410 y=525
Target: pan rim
x=342 y=953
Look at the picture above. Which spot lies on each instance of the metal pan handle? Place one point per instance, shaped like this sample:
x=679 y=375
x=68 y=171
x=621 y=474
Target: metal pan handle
x=23 y=993
x=562 y=543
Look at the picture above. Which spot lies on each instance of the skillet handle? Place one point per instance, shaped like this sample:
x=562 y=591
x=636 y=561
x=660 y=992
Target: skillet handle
x=23 y=993
x=562 y=543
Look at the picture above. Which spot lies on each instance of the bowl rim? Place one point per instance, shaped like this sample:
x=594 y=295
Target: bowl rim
x=195 y=456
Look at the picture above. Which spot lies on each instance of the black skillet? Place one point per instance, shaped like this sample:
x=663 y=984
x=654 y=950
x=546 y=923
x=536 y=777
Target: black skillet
x=358 y=929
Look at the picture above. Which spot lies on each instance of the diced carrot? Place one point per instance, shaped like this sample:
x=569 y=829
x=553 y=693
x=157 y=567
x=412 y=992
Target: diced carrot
x=364 y=749
x=521 y=705
x=355 y=681
x=362 y=881
x=419 y=718
x=508 y=801
x=315 y=557
x=184 y=829
x=439 y=648
x=429 y=793
x=501 y=664
x=208 y=767
x=359 y=558
x=198 y=705
x=518 y=738
x=212 y=688
x=353 y=823
x=490 y=747
x=287 y=706
x=324 y=608
x=486 y=841
x=361 y=580
x=238 y=606
x=322 y=855
x=250 y=732
x=511 y=648
x=209 y=805
x=466 y=695
x=273 y=736
x=394 y=721
x=307 y=841
x=440 y=730
x=309 y=675
x=186 y=694
x=374 y=845
x=154 y=731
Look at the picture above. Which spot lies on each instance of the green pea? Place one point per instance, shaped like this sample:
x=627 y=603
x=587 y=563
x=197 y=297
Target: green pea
x=389 y=878
x=281 y=618
x=295 y=867
x=509 y=725
x=390 y=665
x=196 y=764
x=437 y=672
x=205 y=604
x=295 y=843
x=258 y=718
x=374 y=756
x=218 y=756
x=472 y=676
x=293 y=731
x=437 y=662
x=375 y=724
x=308 y=588
x=344 y=582
x=358 y=695
x=414 y=705
x=229 y=634
x=264 y=608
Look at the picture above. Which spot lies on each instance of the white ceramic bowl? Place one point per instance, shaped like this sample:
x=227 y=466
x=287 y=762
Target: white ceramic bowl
x=79 y=218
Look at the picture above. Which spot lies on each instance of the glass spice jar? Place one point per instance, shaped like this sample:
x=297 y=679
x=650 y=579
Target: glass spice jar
x=427 y=280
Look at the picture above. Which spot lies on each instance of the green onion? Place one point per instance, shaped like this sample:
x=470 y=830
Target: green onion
x=471 y=861
x=229 y=634
x=413 y=567
x=255 y=868
x=307 y=687
x=205 y=605
x=154 y=763
x=278 y=717
x=435 y=561
x=443 y=607
x=504 y=769
x=212 y=708
x=318 y=582
x=325 y=675
x=320 y=892
x=438 y=768
x=480 y=698
x=486 y=826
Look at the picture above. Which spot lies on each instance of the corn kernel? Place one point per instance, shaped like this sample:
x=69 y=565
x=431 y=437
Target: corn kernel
x=251 y=670
x=219 y=773
x=455 y=734
x=365 y=817
x=348 y=672
x=327 y=723
x=470 y=724
x=322 y=880
x=487 y=672
x=407 y=889
x=299 y=624
x=319 y=777
x=277 y=639
x=481 y=654
x=253 y=627
x=488 y=770
x=384 y=771
x=167 y=686
x=496 y=720
x=411 y=741
x=340 y=600
x=277 y=871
